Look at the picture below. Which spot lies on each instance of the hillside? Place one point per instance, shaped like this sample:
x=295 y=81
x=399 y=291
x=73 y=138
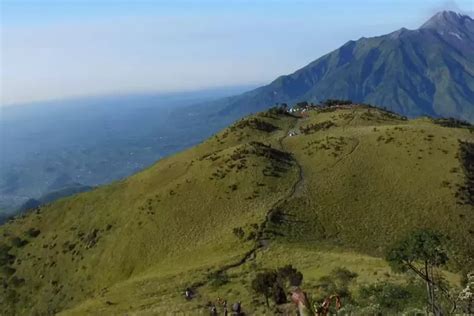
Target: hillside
x=330 y=188
x=427 y=71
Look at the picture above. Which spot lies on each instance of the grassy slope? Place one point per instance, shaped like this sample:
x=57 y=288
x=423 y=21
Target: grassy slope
x=387 y=176
x=168 y=226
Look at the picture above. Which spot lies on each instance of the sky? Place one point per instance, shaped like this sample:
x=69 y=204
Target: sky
x=68 y=48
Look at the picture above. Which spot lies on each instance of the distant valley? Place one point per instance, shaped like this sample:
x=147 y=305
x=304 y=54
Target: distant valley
x=50 y=149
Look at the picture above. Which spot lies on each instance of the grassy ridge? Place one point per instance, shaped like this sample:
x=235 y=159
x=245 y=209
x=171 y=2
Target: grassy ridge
x=372 y=179
x=367 y=178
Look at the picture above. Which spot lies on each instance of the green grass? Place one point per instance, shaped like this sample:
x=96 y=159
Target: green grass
x=134 y=245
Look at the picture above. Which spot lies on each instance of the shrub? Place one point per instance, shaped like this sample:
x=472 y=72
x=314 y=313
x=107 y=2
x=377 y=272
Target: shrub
x=466 y=157
x=264 y=284
x=32 y=232
x=278 y=110
x=332 y=102
x=274 y=283
x=453 y=123
x=337 y=282
x=16 y=281
x=343 y=275
x=391 y=298
x=311 y=128
x=18 y=242
x=239 y=232
x=290 y=275
x=256 y=124
x=7 y=270
x=218 y=278
x=276 y=216
x=5 y=256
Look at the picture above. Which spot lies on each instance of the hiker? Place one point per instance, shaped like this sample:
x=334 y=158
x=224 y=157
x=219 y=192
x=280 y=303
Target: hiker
x=213 y=310
x=299 y=298
x=236 y=308
x=188 y=294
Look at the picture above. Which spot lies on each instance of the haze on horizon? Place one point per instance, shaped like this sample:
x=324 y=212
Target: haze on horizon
x=53 y=49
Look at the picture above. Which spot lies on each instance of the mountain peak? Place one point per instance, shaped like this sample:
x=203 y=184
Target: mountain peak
x=448 y=21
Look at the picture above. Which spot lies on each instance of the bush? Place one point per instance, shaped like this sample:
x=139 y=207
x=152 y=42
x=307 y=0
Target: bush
x=337 y=282
x=343 y=275
x=16 y=281
x=257 y=124
x=332 y=102
x=391 y=298
x=466 y=157
x=217 y=279
x=278 y=110
x=275 y=283
x=32 y=232
x=291 y=275
x=7 y=270
x=239 y=232
x=453 y=123
x=18 y=242
x=311 y=128
x=5 y=256
x=264 y=284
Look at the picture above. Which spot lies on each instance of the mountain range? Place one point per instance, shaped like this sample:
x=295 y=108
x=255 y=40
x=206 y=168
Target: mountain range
x=427 y=71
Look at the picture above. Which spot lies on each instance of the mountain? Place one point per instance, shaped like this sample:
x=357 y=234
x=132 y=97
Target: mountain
x=427 y=71
x=330 y=188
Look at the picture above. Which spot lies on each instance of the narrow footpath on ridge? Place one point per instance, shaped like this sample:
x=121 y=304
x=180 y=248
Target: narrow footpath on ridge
x=262 y=242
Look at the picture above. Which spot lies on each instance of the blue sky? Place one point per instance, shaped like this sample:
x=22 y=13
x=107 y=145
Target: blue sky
x=56 y=49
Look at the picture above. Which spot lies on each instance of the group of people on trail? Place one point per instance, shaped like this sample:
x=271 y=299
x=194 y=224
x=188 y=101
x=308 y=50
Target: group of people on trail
x=221 y=304
x=236 y=308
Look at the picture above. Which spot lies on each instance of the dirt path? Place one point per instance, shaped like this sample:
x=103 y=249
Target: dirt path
x=262 y=242
x=346 y=155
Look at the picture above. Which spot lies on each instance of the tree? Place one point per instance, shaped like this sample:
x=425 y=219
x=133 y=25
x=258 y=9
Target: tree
x=264 y=284
x=275 y=283
x=288 y=274
x=421 y=252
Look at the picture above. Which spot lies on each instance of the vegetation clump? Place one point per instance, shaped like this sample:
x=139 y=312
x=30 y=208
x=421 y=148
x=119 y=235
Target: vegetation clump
x=388 y=298
x=453 y=123
x=337 y=282
x=218 y=278
x=18 y=242
x=312 y=128
x=5 y=256
x=275 y=283
x=466 y=156
x=422 y=253
x=33 y=232
x=257 y=124
x=333 y=102
x=276 y=155
x=279 y=109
